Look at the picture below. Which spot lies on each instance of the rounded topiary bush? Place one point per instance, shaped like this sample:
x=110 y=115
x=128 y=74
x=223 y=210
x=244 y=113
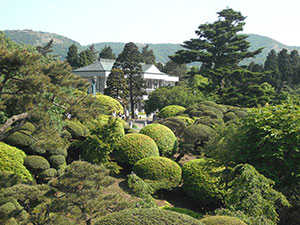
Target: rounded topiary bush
x=146 y=217
x=164 y=138
x=48 y=173
x=176 y=124
x=76 y=129
x=159 y=172
x=6 y=210
x=207 y=120
x=230 y=116
x=170 y=110
x=224 y=220
x=57 y=160
x=20 y=140
x=36 y=163
x=133 y=147
x=11 y=160
x=197 y=134
x=109 y=104
x=201 y=181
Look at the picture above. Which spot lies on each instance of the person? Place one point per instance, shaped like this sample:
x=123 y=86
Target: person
x=136 y=113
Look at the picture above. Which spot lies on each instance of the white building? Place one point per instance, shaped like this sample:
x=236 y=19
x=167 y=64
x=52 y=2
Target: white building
x=101 y=69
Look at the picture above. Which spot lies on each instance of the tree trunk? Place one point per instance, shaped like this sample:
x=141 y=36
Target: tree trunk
x=23 y=117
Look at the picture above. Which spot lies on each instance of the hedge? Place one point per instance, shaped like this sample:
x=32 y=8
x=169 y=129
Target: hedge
x=170 y=110
x=56 y=161
x=133 y=147
x=159 y=172
x=197 y=133
x=148 y=216
x=201 y=181
x=36 y=163
x=224 y=220
x=164 y=138
x=11 y=160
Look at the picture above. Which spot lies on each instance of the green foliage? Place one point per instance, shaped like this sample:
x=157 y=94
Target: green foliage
x=83 y=185
x=72 y=56
x=164 y=138
x=176 y=124
x=116 y=86
x=109 y=104
x=133 y=147
x=76 y=129
x=56 y=161
x=185 y=211
x=20 y=139
x=11 y=160
x=159 y=172
x=201 y=181
x=147 y=55
x=8 y=179
x=147 y=217
x=165 y=96
x=36 y=163
x=224 y=220
x=48 y=174
x=197 y=135
x=170 y=111
x=107 y=53
x=6 y=210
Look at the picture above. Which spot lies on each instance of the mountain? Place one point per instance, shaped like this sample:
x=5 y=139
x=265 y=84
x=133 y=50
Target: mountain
x=161 y=51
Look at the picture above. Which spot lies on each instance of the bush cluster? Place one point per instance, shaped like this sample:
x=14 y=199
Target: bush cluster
x=170 y=110
x=224 y=220
x=148 y=216
x=164 y=138
x=159 y=172
x=109 y=104
x=76 y=129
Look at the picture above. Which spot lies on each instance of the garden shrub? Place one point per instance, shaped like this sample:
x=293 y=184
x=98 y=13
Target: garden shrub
x=207 y=120
x=28 y=127
x=164 y=138
x=20 y=140
x=159 y=172
x=184 y=211
x=170 y=111
x=109 y=104
x=76 y=129
x=48 y=173
x=176 y=124
x=222 y=220
x=133 y=147
x=196 y=134
x=230 y=116
x=36 y=163
x=8 y=179
x=146 y=217
x=11 y=160
x=201 y=181
x=6 y=210
x=184 y=117
x=220 y=107
x=56 y=161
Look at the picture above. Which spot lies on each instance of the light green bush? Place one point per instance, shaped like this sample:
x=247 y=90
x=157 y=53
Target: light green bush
x=159 y=172
x=184 y=211
x=133 y=147
x=164 y=138
x=6 y=210
x=76 y=129
x=170 y=110
x=201 y=181
x=11 y=160
x=146 y=217
x=222 y=220
x=109 y=104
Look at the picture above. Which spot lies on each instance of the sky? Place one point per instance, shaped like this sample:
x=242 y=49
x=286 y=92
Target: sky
x=145 y=21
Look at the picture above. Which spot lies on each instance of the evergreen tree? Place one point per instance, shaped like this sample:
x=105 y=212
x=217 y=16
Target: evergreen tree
x=129 y=62
x=46 y=49
x=285 y=67
x=295 y=60
x=117 y=86
x=72 y=56
x=148 y=56
x=107 y=53
x=271 y=64
x=175 y=69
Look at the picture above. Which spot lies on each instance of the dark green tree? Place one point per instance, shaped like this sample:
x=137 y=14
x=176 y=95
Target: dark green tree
x=87 y=56
x=271 y=64
x=148 y=56
x=72 y=56
x=219 y=45
x=107 y=53
x=46 y=49
x=129 y=61
x=285 y=67
x=175 y=69
x=117 y=86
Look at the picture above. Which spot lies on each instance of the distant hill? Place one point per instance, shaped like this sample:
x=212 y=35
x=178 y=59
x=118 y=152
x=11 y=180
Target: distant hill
x=161 y=51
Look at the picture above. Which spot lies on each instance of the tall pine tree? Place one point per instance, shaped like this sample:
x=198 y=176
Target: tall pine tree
x=72 y=56
x=107 y=53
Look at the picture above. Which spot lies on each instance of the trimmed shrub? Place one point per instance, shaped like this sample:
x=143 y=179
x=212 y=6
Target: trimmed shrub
x=11 y=160
x=8 y=179
x=20 y=140
x=48 y=173
x=164 y=138
x=230 y=116
x=201 y=181
x=207 y=120
x=176 y=124
x=170 y=110
x=133 y=147
x=6 y=210
x=159 y=172
x=185 y=211
x=197 y=134
x=76 y=129
x=28 y=126
x=224 y=220
x=146 y=217
x=184 y=117
x=36 y=163
x=220 y=107
x=109 y=104
x=56 y=161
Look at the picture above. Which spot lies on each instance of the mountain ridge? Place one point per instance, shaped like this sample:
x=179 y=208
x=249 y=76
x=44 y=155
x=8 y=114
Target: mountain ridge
x=161 y=50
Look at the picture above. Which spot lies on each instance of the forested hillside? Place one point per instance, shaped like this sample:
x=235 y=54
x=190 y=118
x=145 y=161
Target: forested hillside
x=161 y=51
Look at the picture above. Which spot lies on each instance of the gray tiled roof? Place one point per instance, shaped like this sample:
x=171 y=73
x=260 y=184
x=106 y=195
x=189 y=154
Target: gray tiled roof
x=102 y=65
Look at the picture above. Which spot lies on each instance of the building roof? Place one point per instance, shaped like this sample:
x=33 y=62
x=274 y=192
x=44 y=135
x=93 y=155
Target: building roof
x=101 y=65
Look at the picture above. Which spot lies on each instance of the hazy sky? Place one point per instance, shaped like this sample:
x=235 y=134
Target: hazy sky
x=145 y=21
